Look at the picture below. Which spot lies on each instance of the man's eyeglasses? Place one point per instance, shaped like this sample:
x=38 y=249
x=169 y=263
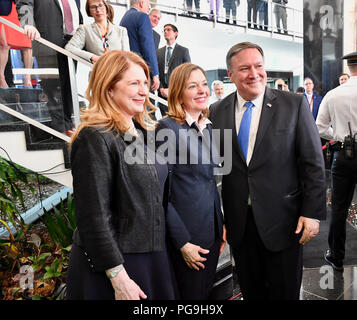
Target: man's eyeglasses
x=99 y=6
x=168 y=29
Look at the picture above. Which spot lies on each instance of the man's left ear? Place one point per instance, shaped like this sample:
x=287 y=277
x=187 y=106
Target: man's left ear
x=229 y=75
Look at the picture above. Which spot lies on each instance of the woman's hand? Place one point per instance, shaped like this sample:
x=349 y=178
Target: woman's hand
x=191 y=255
x=94 y=58
x=224 y=239
x=125 y=288
x=32 y=32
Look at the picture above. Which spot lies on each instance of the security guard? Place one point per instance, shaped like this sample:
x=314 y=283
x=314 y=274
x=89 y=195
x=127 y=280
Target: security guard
x=337 y=120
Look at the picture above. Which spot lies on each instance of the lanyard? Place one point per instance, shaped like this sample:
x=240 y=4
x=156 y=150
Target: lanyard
x=105 y=40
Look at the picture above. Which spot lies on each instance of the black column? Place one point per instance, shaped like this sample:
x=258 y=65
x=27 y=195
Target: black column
x=323 y=42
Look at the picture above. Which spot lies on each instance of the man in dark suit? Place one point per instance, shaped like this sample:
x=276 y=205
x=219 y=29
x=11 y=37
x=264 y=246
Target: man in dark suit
x=169 y=57
x=275 y=191
x=138 y=25
x=313 y=99
x=55 y=21
x=155 y=17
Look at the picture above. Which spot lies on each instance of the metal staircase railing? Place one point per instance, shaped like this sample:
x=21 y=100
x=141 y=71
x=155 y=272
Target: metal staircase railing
x=76 y=111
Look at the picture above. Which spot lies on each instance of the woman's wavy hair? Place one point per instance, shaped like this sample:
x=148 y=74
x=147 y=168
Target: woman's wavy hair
x=177 y=85
x=108 y=8
x=102 y=111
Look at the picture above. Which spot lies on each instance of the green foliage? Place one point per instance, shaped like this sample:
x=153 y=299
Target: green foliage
x=10 y=177
x=48 y=260
x=61 y=223
x=54 y=270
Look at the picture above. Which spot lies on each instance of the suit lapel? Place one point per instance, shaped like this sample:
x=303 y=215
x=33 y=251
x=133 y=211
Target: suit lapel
x=268 y=111
x=58 y=5
x=96 y=30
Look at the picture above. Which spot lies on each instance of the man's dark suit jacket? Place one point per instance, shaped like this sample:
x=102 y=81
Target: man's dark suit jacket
x=156 y=39
x=285 y=177
x=5 y=7
x=193 y=201
x=179 y=56
x=141 y=37
x=47 y=17
x=316 y=101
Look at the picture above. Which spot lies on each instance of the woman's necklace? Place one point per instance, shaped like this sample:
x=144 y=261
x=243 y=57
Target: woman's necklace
x=104 y=36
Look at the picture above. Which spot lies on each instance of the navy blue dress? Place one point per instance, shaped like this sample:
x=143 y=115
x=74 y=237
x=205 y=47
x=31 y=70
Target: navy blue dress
x=151 y=271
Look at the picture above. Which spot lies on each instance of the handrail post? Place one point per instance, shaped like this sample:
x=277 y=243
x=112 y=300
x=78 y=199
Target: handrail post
x=214 y=14
x=73 y=82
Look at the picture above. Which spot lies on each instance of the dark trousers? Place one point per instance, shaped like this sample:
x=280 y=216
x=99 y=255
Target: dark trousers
x=266 y=275
x=193 y=284
x=252 y=8
x=344 y=179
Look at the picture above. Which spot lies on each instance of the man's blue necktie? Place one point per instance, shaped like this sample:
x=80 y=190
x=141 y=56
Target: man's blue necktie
x=243 y=134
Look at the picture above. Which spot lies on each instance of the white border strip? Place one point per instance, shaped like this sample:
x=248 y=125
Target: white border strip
x=35 y=71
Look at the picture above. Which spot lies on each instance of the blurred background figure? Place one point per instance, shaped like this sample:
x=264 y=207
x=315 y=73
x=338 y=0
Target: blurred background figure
x=9 y=38
x=137 y=22
x=262 y=10
x=343 y=78
x=212 y=3
x=168 y=58
x=92 y=40
x=217 y=92
x=155 y=17
x=252 y=10
x=281 y=85
x=280 y=14
x=189 y=7
x=57 y=21
x=231 y=9
x=313 y=98
x=300 y=90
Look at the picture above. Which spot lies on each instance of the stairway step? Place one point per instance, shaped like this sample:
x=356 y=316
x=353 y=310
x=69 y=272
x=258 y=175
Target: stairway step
x=37 y=139
x=22 y=95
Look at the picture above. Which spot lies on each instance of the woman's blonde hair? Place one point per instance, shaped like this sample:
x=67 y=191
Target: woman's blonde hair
x=102 y=111
x=177 y=85
x=109 y=9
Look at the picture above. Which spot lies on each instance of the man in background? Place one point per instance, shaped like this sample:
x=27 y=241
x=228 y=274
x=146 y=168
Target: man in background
x=141 y=40
x=313 y=99
x=337 y=120
x=155 y=17
x=343 y=78
x=169 y=57
x=217 y=92
x=55 y=21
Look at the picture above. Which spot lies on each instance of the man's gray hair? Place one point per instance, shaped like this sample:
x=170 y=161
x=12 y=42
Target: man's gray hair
x=238 y=48
x=215 y=82
x=134 y=2
x=154 y=10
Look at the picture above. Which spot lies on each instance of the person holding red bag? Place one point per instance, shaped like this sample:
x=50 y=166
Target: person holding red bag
x=10 y=38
